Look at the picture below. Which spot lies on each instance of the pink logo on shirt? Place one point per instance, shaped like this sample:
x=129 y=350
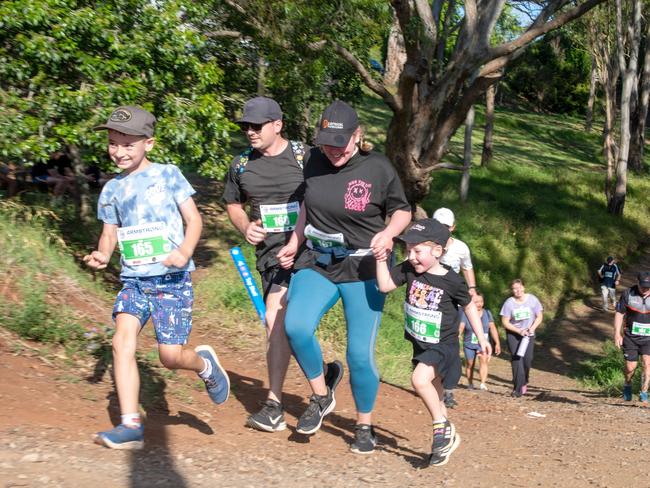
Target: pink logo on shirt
x=357 y=196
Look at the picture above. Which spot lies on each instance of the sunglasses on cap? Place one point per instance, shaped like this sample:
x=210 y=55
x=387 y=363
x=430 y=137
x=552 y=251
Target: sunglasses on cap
x=246 y=126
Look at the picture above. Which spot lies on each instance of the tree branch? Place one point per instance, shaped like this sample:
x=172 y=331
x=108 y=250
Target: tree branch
x=223 y=34
x=500 y=55
x=370 y=82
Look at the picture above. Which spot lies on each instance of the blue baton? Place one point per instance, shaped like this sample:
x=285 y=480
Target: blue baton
x=249 y=283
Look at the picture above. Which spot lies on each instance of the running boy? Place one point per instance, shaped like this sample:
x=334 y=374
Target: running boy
x=433 y=295
x=143 y=210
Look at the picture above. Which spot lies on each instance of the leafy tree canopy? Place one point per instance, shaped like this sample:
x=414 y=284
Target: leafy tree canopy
x=65 y=64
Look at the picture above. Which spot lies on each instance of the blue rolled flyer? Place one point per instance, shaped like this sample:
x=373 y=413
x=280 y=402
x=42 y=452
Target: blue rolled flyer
x=249 y=283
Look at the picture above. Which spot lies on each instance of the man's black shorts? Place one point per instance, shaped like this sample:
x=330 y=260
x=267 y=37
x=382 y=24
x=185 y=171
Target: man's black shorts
x=275 y=275
x=634 y=345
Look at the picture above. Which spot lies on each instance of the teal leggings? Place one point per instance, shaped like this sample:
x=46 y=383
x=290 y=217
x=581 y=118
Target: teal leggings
x=310 y=296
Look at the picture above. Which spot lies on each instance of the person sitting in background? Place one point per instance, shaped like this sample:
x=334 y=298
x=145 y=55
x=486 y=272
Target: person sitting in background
x=57 y=174
x=8 y=178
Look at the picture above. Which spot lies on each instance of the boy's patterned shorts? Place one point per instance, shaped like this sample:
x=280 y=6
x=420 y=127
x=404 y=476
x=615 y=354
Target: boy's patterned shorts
x=167 y=299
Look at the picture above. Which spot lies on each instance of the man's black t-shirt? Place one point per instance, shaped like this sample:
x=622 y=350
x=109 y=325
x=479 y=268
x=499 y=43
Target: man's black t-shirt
x=353 y=200
x=636 y=308
x=436 y=298
x=267 y=180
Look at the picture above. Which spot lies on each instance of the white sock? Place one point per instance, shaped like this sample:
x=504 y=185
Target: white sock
x=441 y=421
x=207 y=371
x=131 y=420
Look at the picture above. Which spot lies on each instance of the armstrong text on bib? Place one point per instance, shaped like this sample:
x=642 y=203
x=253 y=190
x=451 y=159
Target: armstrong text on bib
x=424 y=325
x=143 y=244
x=281 y=217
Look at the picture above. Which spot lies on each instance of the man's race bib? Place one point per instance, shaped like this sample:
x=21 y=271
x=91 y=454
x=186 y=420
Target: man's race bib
x=424 y=325
x=640 y=329
x=609 y=274
x=322 y=239
x=143 y=244
x=473 y=339
x=522 y=313
x=281 y=217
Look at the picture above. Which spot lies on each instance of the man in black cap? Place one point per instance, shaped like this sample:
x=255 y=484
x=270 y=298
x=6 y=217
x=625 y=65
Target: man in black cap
x=610 y=276
x=268 y=176
x=633 y=313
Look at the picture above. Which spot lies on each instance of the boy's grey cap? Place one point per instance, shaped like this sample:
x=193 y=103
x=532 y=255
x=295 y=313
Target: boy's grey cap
x=261 y=109
x=644 y=279
x=131 y=120
x=337 y=124
x=426 y=230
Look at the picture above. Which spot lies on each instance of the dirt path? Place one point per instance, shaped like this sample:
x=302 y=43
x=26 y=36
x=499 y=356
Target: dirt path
x=583 y=439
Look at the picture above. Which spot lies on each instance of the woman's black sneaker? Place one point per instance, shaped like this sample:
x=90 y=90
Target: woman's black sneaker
x=365 y=439
x=319 y=406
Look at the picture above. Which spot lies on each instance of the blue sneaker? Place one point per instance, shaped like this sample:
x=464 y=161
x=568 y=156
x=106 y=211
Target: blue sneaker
x=643 y=397
x=122 y=437
x=218 y=384
x=627 y=393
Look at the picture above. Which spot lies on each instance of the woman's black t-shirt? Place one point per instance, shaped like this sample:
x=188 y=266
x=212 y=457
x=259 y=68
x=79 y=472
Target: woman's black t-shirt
x=352 y=201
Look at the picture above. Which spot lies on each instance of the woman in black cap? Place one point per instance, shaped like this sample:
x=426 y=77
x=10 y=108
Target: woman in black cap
x=350 y=192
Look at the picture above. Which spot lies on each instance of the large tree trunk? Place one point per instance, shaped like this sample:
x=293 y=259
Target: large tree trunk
x=83 y=191
x=490 y=95
x=640 y=115
x=467 y=155
x=589 y=117
x=616 y=203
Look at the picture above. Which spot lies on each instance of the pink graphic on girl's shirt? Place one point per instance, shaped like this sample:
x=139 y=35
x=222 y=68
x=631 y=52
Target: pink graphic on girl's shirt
x=357 y=196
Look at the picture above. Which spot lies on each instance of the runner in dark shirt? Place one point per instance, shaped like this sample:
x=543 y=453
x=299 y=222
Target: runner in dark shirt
x=434 y=294
x=268 y=177
x=350 y=192
x=633 y=314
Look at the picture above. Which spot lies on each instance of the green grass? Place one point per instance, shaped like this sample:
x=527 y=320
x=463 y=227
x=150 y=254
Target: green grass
x=606 y=373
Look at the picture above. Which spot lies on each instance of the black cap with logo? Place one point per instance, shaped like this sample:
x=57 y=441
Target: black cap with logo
x=131 y=120
x=426 y=230
x=644 y=279
x=259 y=110
x=337 y=124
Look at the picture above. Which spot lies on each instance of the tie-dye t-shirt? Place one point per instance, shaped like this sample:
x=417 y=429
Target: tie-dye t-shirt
x=151 y=195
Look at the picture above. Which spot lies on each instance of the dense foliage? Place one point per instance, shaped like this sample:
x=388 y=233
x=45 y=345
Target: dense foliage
x=64 y=64
x=552 y=74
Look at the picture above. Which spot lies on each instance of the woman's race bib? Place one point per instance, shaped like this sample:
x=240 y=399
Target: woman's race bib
x=424 y=325
x=522 y=313
x=322 y=239
x=281 y=217
x=143 y=244
x=640 y=329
